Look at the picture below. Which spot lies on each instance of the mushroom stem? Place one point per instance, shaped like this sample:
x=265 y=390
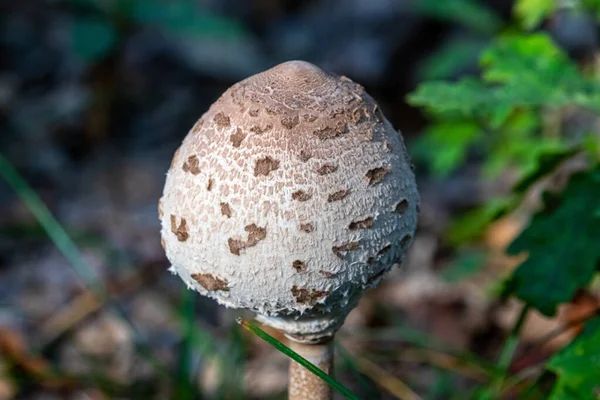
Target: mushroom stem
x=303 y=383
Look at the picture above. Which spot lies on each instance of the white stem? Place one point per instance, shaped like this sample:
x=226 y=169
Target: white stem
x=303 y=383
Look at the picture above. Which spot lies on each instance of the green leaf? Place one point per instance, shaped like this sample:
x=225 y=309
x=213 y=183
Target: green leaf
x=470 y=13
x=444 y=145
x=578 y=366
x=532 y=12
x=463 y=97
x=185 y=17
x=92 y=38
x=451 y=58
x=562 y=242
x=463 y=266
x=546 y=162
x=473 y=223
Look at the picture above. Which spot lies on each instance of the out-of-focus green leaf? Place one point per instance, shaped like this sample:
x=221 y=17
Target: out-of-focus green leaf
x=578 y=366
x=472 y=224
x=546 y=163
x=463 y=97
x=451 y=58
x=92 y=38
x=470 y=13
x=562 y=246
x=185 y=17
x=463 y=266
x=445 y=145
x=532 y=12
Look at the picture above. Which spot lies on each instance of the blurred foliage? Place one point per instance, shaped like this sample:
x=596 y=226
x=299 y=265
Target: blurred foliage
x=561 y=241
x=578 y=366
x=95 y=32
x=514 y=117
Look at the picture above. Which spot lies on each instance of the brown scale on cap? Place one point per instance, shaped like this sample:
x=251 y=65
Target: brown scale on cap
x=304 y=156
x=259 y=131
x=222 y=121
x=301 y=195
x=290 y=122
x=299 y=266
x=237 y=138
x=307 y=227
x=361 y=224
x=209 y=184
x=401 y=207
x=255 y=235
x=337 y=196
x=265 y=165
x=306 y=296
x=191 y=165
x=338 y=250
x=376 y=175
x=179 y=230
x=210 y=282
x=226 y=210
x=160 y=209
x=327 y=169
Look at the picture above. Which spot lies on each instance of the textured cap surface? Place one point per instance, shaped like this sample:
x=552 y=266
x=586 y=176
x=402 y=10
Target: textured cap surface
x=289 y=197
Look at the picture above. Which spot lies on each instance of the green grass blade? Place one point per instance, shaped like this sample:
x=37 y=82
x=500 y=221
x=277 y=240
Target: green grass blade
x=184 y=387
x=299 y=359
x=52 y=227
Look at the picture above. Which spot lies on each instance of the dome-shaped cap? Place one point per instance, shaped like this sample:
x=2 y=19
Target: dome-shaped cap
x=289 y=197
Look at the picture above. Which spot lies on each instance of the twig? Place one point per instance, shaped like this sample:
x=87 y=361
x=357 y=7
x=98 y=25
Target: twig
x=386 y=380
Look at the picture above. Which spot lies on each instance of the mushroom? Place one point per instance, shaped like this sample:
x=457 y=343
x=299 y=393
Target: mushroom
x=290 y=197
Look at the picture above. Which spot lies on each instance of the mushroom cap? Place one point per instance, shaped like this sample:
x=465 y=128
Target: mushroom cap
x=290 y=197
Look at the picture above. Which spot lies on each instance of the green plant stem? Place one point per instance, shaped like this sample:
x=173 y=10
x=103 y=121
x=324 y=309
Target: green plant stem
x=296 y=357
x=184 y=384
x=508 y=351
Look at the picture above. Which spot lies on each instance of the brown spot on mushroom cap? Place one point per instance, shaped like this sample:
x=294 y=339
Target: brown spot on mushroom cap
x=384 y=250
x=265 y=165
x=401 y=207
x=327 y=274
x=338 y=250
x=330 y=132
x=301 y=195
x=337 y=196
x=160 y=208
x=226 y=210
x=299 y=266
x=179 y=230
x=221 y=120
x=210 y=282
x=405 y=240
x=209 y=185
x=255 y=235
x=376 y=175
x=376 y=276
x=307 y=227
x=309 y=118
x=361 y=224
x=259 y=131
x=253 y=112
x=290 y=122
x=237 y=138
x=305 y=156
x=191 y=165
x=308 y=297
x=327 y=169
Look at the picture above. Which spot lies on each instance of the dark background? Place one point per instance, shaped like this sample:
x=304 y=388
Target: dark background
x=95 y=96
